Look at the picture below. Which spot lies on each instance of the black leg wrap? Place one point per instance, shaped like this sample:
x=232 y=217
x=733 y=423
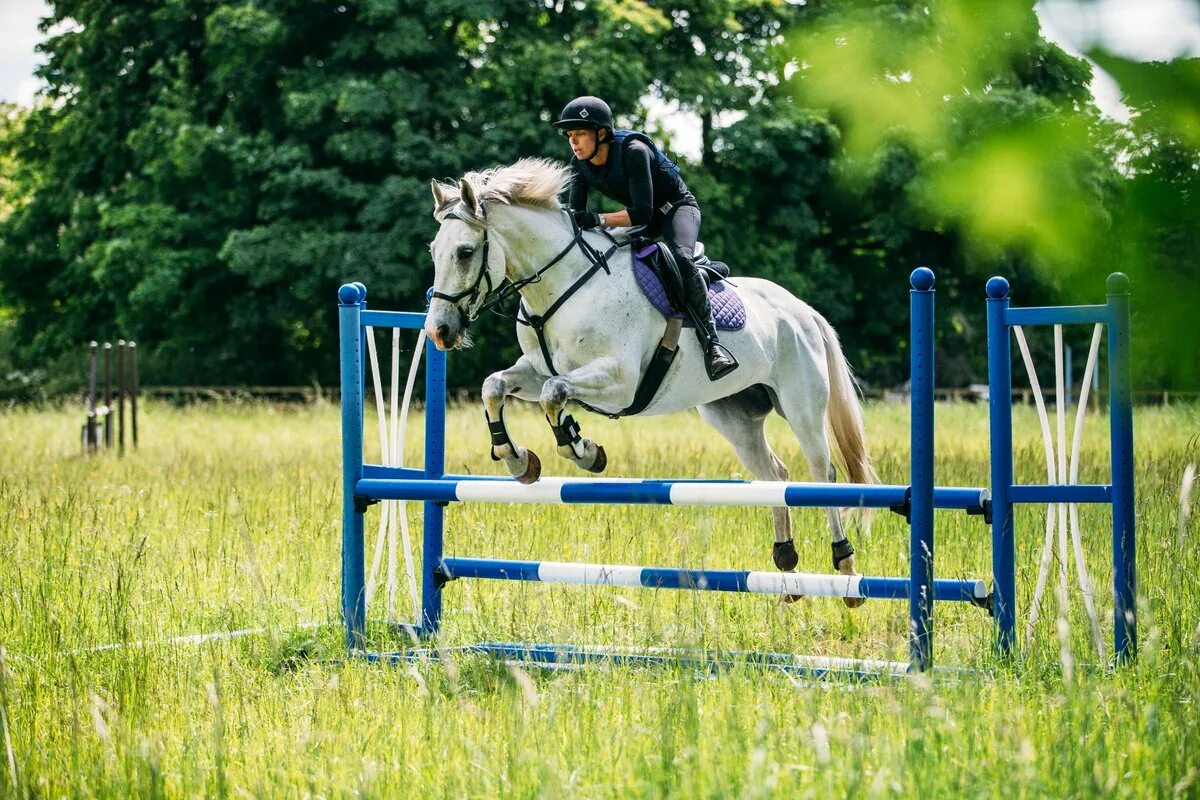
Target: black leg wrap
x=841 y=551
x=785 y=555
x=499 y=433
x=567 y=433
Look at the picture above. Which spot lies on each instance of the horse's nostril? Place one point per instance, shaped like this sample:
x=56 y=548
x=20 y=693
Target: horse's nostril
x=443 y=334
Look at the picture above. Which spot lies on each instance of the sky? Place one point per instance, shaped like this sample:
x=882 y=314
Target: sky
x=1148 y=30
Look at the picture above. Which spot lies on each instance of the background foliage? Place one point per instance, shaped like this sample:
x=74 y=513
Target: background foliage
x=202 y=175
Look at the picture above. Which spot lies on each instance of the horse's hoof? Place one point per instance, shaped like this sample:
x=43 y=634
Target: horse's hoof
x=788 y=599
x=601 y=461
x=533 y=470
x=846 y=567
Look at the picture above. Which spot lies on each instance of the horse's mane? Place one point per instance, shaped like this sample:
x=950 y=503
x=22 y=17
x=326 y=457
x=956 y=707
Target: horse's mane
x=533 y=182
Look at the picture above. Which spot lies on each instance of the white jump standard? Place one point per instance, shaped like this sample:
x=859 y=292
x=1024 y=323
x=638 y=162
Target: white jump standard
x=365 y=484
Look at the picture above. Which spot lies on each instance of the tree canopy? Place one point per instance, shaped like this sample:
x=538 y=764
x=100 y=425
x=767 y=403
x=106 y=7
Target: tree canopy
x=202 y=175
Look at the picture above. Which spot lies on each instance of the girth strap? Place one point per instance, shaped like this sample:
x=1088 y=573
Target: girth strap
x=652 y=379
x=663 y=357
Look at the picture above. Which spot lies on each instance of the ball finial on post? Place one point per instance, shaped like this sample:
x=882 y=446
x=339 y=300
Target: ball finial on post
x=921 y=279
x=997 y=288
x=1117 y=283
x=349 y=294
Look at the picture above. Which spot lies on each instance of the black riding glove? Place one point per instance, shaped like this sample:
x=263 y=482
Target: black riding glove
x=586 y=219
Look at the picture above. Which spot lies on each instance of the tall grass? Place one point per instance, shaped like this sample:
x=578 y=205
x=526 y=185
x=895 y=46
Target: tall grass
x=228 y=518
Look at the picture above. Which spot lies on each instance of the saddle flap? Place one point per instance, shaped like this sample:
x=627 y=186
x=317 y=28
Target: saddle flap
x=729 y=312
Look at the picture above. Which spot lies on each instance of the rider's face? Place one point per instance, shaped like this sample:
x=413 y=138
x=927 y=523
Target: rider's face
x=583 y=141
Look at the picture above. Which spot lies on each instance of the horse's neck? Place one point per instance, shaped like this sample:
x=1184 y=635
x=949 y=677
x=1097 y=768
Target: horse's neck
x=533 y=238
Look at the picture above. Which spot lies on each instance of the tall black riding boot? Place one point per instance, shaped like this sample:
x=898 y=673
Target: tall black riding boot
x=718 y=361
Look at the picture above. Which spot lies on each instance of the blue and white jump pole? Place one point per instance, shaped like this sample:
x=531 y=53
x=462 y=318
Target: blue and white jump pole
x=364 y=484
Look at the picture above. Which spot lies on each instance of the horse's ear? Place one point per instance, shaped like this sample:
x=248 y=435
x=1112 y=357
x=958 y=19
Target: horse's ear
x=466 y=193
x=439 y=195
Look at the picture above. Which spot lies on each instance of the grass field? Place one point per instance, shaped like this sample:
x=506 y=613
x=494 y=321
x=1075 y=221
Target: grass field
x=229 y=518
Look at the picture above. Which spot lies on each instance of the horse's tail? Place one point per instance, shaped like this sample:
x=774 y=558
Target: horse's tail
x=844 y=415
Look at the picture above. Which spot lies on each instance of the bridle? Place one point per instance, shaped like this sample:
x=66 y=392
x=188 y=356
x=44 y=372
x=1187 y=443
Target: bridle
x=494 y=295
x=461 y=213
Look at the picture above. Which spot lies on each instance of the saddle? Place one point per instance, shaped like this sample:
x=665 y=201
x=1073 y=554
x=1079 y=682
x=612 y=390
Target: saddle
x=647 y=250
x=729 y=312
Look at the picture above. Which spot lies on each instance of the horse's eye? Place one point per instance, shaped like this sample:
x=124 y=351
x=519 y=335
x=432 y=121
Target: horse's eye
x=465 y=252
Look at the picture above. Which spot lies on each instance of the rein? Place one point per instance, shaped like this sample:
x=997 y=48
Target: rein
x=509 y=288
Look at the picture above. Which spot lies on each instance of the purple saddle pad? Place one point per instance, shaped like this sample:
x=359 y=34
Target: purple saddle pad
x=729 y=311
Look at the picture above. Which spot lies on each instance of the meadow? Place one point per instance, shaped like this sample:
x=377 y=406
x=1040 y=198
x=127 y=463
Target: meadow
x=228 y=518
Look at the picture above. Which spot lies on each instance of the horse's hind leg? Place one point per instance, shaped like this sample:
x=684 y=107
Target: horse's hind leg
x=804 y=408
x=740 y=420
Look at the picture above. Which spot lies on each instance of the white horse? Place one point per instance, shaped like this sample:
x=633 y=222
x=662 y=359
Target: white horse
x=504 y=226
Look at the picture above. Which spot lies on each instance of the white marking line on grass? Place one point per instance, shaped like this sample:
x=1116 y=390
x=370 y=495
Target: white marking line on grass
x=194 y=638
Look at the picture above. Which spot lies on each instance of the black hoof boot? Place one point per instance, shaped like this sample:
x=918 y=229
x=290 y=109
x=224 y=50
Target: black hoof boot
x=841 y=551
x=718 y=361
x=785 y=555
x=843 y=562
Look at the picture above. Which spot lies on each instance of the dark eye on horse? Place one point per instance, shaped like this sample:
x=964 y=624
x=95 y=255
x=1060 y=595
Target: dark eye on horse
x=465 y=252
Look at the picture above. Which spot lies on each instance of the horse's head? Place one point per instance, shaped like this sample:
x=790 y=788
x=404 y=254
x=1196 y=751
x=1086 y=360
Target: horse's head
x=467 y=265
x=473 y=251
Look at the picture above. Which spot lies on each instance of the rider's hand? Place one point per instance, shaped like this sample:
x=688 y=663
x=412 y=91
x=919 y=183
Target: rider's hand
x=586 y=219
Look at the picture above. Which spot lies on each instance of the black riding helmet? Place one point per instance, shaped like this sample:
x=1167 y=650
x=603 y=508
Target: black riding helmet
x=585 y=112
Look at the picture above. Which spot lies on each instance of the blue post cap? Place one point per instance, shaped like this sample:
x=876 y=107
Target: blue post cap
x=921 y=279
x=351 y=294
x=997 y=288
x=1117 y=283
x=362 y=290
x=428 y=297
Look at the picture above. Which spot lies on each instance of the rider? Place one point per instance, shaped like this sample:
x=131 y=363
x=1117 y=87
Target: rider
x=626 y=166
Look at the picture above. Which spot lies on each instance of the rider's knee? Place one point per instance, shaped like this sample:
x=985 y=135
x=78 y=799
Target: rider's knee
x=684 y=257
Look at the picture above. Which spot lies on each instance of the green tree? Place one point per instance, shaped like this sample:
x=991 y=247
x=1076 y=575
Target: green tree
x=1155 y=233
x=964 y=142
x=13 y=194
x=202 y=175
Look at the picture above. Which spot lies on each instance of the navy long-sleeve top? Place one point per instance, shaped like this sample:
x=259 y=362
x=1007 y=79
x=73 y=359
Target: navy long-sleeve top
x=644 y=191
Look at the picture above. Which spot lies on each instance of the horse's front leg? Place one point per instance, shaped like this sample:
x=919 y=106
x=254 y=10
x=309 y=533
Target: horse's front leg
x=599 y=382
x=520 y=380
